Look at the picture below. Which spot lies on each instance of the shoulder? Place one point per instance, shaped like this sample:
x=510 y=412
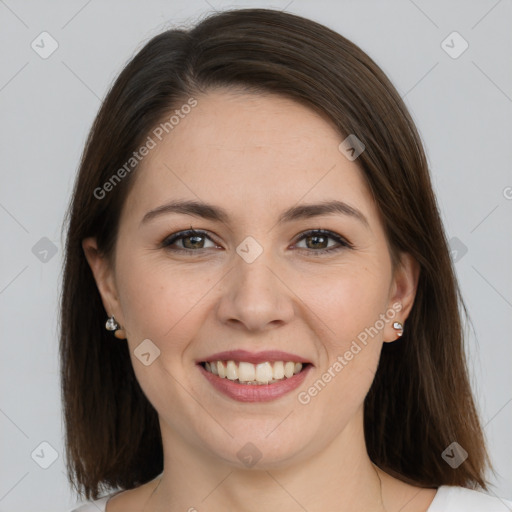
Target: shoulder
x=120 y=499
x=93 y=506
x=460 y=499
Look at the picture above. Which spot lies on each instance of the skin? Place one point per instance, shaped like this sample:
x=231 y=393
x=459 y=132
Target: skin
x=255 y=156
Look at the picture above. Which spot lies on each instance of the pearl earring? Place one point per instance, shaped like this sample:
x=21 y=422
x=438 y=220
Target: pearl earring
x=112 y=325
x=399 y=327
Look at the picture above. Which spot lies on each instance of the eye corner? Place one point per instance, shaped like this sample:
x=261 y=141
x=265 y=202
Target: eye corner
x=341 y=241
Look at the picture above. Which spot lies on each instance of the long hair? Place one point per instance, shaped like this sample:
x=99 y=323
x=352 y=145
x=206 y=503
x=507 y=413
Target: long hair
x=420 y=401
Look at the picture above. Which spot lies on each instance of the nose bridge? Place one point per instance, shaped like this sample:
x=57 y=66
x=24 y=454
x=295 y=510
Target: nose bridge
x=256 y=275
x=254 y=295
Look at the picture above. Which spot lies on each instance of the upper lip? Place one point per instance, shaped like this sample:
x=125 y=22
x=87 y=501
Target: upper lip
x=254 y=357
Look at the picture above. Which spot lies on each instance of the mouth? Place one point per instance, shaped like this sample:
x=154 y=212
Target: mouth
x=261 y=374
x=258 y=381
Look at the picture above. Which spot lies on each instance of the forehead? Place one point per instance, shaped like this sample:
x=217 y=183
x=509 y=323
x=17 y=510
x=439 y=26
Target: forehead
x=266 y=126
x=248 y=151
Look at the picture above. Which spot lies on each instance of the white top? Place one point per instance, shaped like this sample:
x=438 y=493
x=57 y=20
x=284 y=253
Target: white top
x=447 y=499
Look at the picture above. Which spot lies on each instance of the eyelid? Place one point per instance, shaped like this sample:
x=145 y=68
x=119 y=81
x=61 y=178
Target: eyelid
x=341 y=241
x=178 y=235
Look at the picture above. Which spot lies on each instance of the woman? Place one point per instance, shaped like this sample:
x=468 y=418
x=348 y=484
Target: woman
x=259 y=309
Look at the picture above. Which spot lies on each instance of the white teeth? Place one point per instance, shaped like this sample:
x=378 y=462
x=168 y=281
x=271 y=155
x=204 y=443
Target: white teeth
x=278 y=370
x=289 y=368
x=264 y=372
x=231 y=371
x=248 y=373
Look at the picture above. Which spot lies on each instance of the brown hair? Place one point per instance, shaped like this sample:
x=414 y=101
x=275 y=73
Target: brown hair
x=420 y=401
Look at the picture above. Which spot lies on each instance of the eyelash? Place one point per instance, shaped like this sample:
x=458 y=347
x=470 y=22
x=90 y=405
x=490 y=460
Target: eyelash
x=343 y=243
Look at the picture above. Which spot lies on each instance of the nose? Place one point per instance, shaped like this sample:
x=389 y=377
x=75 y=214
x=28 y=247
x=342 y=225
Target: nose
x=256 y=295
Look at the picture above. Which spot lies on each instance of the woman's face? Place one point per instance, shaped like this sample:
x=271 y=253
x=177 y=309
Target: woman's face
x=257 y=280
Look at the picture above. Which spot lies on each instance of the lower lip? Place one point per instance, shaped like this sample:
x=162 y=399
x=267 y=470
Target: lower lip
x=255 y=392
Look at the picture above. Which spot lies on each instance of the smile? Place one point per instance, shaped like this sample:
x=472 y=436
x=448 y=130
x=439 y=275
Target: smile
x=258 y=374
x=248 y=382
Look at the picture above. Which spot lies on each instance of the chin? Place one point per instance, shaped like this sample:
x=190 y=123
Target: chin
x=260 y=451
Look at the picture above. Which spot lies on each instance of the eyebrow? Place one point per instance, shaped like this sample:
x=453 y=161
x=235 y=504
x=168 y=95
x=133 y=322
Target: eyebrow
x=216 y=213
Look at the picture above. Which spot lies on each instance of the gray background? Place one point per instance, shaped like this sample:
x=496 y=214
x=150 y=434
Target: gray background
x=462 y=107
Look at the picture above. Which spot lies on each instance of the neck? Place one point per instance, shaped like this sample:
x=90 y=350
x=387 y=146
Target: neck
x=341 y=477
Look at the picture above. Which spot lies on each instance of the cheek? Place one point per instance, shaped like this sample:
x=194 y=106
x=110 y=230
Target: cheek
x=161 y=303
x=159 y=300
x=348 y=302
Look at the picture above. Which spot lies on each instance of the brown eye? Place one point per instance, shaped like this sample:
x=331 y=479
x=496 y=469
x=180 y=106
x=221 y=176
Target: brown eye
x=318 y=241
x=193 y=242
x=189 y=240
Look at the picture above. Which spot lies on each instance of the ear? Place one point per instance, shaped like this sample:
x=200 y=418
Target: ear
x=104 y=277
x=402 y=294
